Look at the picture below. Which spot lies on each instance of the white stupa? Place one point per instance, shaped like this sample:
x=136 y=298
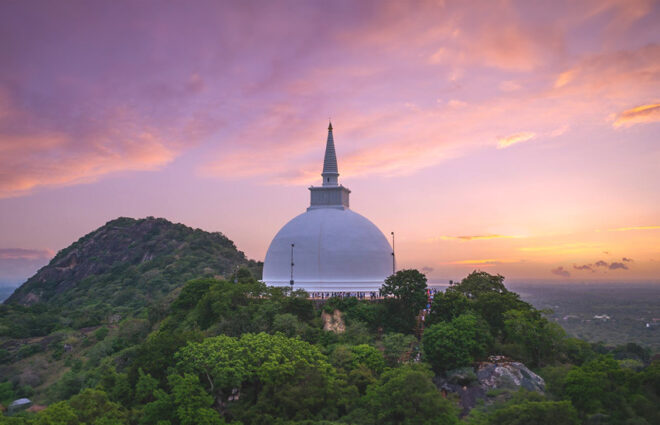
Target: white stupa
x=333 y=248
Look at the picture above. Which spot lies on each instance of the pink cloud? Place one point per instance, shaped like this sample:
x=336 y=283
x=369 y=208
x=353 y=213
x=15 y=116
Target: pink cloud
x=515 y=47
x=25 y=254
x=638 y=115
x=57 y=160
x=254 y=86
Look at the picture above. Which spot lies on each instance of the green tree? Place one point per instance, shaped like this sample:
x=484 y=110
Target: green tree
x=592 y=388
x=260 y=366
x=156 y=354
x=478 y=283
x=289 y=325
x=60 y=413
x=7 y=394
x=396 y=347
x=91 y=405
x=492 y=306
x=368 y=356
x=145 y=387
x=535 y=412
x=408 y=286
x=538 y=338
x=160 y=410
x=448 y=345
x=193 y=404
x=406 y=396
x=447 y=306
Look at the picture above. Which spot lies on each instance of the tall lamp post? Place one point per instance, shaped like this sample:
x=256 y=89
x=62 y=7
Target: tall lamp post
x=393 y=256
x=291 y=281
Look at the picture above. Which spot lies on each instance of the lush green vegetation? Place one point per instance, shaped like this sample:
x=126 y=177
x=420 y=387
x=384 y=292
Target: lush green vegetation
x=236 y=351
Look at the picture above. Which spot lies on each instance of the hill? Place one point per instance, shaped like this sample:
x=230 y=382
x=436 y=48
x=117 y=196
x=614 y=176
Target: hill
x=127 y=264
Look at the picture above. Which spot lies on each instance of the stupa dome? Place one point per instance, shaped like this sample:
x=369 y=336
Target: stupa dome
x=333 y=248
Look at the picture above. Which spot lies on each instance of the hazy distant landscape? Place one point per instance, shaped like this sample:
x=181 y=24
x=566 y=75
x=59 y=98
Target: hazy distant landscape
x=629 y=308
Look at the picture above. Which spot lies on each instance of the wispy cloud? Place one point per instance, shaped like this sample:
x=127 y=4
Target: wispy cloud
x=565 y=78
x=25 y=254
x=484 y=262
x=454 y=103
x=475 y=237
x=65 y=164
x=638 y=115
x=617 y=265
x=604 y=264
x=625 y=229
x=505 y=142
x=565 y=248
x=560 y=271
x=584 y=267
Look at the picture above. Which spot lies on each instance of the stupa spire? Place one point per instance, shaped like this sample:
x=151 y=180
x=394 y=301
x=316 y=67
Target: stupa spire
x=330 y=171
x=330 y=194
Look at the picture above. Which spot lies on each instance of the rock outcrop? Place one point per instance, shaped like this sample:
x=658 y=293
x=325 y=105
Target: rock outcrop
x=333 y=322
x=498 y=374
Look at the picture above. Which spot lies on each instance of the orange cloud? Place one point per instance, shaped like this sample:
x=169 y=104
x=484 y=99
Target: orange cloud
x=567 y=248
x=638 y=115
x=512 y=47
x=565 y=78
x=624 y=229
x=56 y=160
x=477 y=237
x=484 y=262
x=505 y=142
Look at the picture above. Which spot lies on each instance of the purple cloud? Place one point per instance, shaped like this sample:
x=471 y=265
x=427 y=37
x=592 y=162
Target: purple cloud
x=601 y=263
x=584 y=267
x=616 y=265
x=560 y=271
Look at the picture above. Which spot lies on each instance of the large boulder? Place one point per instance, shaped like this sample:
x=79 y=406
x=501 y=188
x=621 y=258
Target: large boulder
x=498 y=374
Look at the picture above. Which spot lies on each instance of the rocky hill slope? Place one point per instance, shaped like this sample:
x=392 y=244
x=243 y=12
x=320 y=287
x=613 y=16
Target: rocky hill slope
x=130 y=263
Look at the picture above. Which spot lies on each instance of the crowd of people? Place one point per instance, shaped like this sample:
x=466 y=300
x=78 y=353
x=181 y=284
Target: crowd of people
x=359 y=295
x=430 y=293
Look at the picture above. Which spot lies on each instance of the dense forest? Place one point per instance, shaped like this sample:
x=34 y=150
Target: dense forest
x=216 y=346
x=236 y=351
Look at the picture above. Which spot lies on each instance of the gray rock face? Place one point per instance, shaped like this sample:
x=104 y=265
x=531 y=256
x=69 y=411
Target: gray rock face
x=508 y=376
x=473 y=384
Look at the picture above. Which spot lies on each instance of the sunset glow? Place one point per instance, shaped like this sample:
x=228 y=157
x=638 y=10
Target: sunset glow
x=518 y=137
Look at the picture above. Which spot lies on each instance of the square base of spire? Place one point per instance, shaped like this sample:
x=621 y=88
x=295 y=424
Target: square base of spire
x=329 y=197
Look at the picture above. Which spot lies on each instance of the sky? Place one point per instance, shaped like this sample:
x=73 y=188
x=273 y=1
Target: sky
x=514 y=137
